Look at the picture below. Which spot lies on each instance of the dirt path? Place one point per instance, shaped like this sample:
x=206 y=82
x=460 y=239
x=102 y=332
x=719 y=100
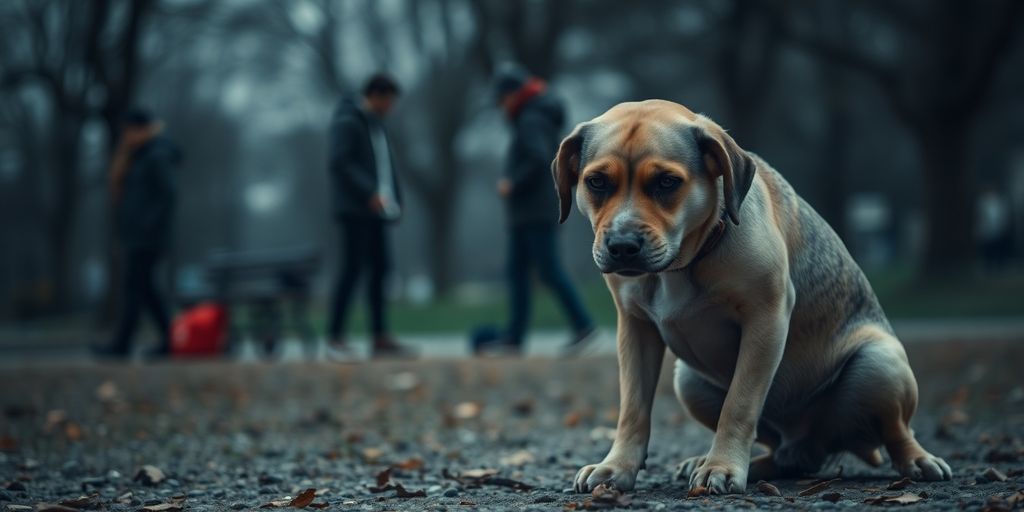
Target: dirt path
x=238 y=436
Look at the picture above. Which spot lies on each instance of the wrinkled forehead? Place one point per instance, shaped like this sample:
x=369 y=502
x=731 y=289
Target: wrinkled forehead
x=640 y=134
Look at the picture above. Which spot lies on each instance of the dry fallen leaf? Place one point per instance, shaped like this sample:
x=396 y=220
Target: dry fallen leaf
x=994 y=475
x=467 y=410
x=149 y=475
x=8 y=444
x=53 y=507
x=605 y=495
x=1015 y=499
x=906 y=498
x=107 y=392
x=520 y=458
x=401 y=492
x=303 y=499
x=410 y=464
x=899 y=485
x=73 y=431
x=768 y=489
x=818 y=487
x=83 y=502
x=371 y=455
x=572 y=419
x=478 y=473
x=163 y=507
x=383 y=482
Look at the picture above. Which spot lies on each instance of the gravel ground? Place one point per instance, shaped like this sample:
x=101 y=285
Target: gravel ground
x=457 y=434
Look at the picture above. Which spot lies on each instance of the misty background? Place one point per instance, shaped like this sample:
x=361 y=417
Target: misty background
x=899 y=121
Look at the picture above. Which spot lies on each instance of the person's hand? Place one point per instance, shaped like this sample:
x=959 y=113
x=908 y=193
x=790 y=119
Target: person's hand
x=504 y=187
x=377 y=204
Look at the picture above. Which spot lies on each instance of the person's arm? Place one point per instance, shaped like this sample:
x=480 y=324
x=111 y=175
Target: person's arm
x=344 y=165
x=536 y=134
x=163 y=194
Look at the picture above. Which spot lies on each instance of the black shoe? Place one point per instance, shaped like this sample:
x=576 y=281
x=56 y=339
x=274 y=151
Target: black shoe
x=109 y=353
x=580 y=342
x=498 y=348
x=385 y=347
x=157 y=354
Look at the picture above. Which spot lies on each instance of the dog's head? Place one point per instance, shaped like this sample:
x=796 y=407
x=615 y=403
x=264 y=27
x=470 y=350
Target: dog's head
x=654 y=179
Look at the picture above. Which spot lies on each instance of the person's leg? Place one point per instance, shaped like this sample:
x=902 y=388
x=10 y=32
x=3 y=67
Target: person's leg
x=518 y=273
x=152 y=301
x=379 y=267
x=353 y=240
x=130 y=300
x=544 y=251
x=379 y=253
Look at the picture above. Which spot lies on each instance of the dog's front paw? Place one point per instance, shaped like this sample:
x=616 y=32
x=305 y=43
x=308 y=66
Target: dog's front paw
x=717 y=476
x=924 y=466
x=608 y=472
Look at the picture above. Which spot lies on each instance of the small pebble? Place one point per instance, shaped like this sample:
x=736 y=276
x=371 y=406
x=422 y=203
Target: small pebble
x=451 y=493
x=239 y=506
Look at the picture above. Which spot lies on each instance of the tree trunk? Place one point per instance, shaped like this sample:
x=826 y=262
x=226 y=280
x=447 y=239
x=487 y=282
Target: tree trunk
x=441 y=218
x=832 y=186
x=950 y=247
x=65 y=206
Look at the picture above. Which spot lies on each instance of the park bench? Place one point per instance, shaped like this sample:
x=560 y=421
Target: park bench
x=266 y=292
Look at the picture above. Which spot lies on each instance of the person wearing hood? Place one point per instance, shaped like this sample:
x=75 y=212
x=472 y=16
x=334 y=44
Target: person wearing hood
x=536 y=119
x=367 y=199
x=142 y=188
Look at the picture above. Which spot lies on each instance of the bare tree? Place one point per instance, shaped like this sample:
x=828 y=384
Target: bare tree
x=936 y=66
x=83 y=56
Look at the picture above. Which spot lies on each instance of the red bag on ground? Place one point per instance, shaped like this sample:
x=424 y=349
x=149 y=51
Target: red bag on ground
x=201 y=330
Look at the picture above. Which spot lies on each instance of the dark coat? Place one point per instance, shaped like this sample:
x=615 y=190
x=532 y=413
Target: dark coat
x=351 y=162
x=144 y=211
x=536 y=133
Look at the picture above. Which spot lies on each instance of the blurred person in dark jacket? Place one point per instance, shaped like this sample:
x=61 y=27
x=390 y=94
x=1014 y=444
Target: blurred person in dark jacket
x=367 y=199
x=142 y=188
x=537 y=119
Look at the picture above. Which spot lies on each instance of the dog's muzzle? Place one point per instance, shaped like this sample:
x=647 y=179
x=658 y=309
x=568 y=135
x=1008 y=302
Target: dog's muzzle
x=626 y=254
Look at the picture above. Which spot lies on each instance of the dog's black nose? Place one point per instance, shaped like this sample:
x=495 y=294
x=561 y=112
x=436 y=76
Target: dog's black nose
x=624 y=247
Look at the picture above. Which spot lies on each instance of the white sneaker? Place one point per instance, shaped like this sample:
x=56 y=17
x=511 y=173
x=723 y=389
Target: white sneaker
x=341 y=353
x=582 y=343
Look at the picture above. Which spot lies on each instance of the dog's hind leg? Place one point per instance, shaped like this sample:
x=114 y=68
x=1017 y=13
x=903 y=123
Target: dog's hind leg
x=871 y=404
x=704 y=402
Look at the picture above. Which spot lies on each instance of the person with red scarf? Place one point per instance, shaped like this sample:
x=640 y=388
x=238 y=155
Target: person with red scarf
x=537 y=119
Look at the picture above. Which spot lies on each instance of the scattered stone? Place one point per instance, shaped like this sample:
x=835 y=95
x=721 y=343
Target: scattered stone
x=149 y=475
x=451 y=493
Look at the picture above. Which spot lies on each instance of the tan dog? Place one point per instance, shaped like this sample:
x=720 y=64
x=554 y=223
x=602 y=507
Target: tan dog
x=708 y=250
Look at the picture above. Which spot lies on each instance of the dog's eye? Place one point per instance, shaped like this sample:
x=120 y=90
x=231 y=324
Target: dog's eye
x=669 y=182
x=597 y=183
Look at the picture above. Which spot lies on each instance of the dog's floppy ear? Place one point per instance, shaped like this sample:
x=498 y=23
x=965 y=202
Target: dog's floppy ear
x=565 y=168
x=726 y=159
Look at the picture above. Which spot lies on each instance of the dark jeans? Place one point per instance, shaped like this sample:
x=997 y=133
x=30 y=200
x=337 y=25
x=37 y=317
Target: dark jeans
x=364 y=250
x=140 y=293
x=535 y=246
